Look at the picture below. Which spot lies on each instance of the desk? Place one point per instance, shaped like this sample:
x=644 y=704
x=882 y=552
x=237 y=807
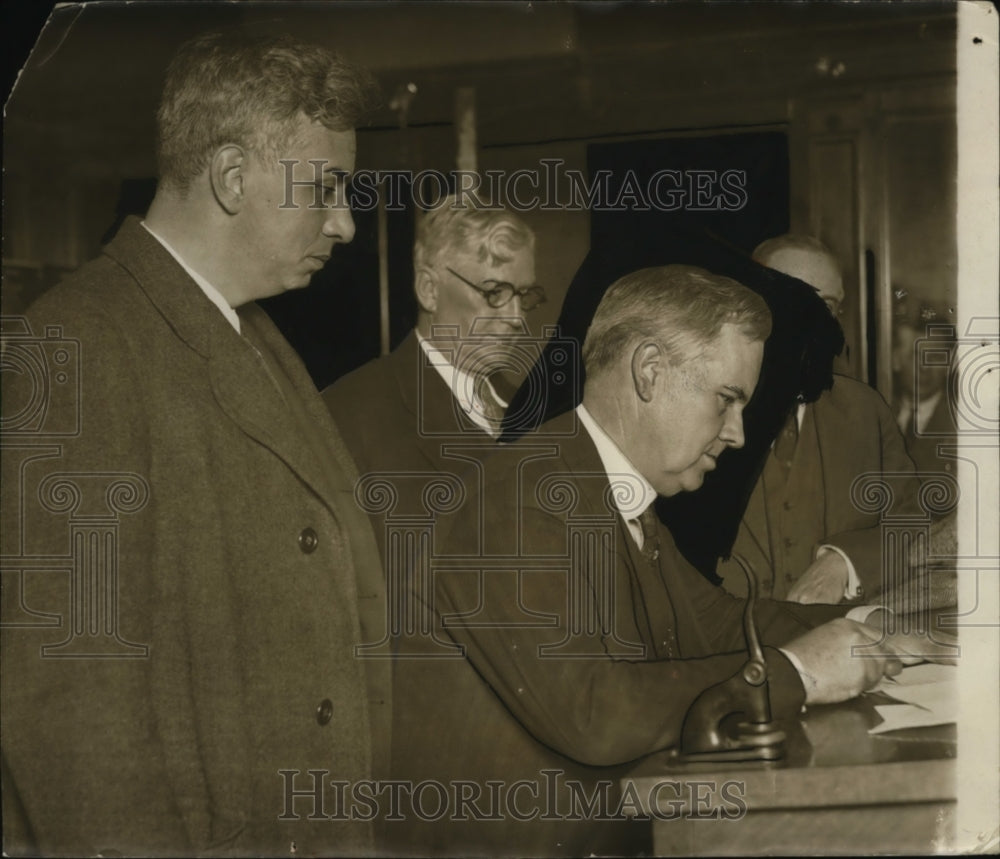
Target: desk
x=839 y=791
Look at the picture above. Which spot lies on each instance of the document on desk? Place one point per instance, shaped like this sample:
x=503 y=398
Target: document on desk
x=929 y=693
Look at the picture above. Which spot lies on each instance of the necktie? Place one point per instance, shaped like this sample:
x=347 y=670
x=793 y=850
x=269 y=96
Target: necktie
x=784 y=444
x=650 y=539
x=657 y=620
x=491 y=408
x=781 y=527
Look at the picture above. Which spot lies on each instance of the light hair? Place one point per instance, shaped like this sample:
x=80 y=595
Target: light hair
x=235 y=88
x=681 y=307
x=768 y=249
x=490 y=233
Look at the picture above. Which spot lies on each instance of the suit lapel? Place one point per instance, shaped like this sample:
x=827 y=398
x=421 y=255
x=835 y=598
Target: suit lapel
x=833 y=422
x=584 y=462
x=755 y=517
x=652 y=612
x=437 y=417
x=404 y=361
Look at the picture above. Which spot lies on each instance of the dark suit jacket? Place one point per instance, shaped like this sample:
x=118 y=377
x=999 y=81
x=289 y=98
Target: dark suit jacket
x=396 y=413
x=249 y=575
x=407 y=434
x=530 y=697
x=857 y=435
x=939 y=433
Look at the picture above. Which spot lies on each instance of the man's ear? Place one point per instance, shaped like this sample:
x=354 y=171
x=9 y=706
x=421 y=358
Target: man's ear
x=647 y=363
x=426 y=288
x=226 y=173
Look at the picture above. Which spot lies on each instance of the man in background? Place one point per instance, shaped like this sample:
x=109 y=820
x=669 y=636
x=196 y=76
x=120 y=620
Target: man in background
x=474 y=279
x=925 y=414
x=213 y=644
x=801 y=530
x=923 y=409
x=410 y=418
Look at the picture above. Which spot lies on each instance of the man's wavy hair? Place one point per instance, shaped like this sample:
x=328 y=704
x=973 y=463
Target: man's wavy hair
x=681 y=307
x=249 y=90
x=490 y=233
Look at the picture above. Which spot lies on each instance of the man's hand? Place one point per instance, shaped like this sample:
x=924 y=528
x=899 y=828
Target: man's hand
x=830 y=671
x=909 y=643
x=824 y=581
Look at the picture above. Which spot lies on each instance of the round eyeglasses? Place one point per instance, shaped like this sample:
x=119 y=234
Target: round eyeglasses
x=500 y=293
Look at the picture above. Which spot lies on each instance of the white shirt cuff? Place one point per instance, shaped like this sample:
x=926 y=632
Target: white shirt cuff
x=861 y=613
x=854 y=588
x=808 y=681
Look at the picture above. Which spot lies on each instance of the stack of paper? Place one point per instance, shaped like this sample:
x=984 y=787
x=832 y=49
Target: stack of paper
x=930 y=693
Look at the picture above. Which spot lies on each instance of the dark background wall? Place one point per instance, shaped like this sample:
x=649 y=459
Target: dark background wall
x=857 y=98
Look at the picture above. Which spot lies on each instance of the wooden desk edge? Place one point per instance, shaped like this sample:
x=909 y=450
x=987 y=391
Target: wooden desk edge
x=807 y=787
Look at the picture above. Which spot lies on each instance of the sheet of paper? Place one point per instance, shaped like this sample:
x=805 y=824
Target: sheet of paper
x=912 y=675
x=899 y=716
x=929 y=693
x=939 y=697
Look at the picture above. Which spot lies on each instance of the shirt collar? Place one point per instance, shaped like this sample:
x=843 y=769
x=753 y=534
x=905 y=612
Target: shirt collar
x=631 y=492
x=462 y=385
x=210 y=291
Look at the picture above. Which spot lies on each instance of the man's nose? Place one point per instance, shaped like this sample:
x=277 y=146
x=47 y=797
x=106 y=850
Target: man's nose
x=732 y=429
x=513 y=314
x=339 y=224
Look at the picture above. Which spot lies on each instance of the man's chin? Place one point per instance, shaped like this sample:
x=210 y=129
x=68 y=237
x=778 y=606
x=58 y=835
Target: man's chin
x=300 y=282
x=692 y=480
x=687 y=481
x=695 y=483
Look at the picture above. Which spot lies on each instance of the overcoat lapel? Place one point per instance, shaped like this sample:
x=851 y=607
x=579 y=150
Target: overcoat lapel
x=315 y=411
x=243 y=386
x=248 y=393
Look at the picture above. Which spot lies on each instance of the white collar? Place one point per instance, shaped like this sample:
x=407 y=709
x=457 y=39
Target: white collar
x=631 y=492
x=210 y=291
x=463 y=385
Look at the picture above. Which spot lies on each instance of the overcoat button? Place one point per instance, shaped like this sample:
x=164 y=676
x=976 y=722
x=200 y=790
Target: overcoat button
x=324 y=712
x=308 y=540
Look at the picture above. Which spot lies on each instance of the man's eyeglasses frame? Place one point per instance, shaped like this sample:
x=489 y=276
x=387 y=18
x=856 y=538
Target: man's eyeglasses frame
x=503 y=293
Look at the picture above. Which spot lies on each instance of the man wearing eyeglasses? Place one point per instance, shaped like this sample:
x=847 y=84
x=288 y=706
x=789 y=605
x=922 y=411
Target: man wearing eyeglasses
x=801 y=530
x=474 y=279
